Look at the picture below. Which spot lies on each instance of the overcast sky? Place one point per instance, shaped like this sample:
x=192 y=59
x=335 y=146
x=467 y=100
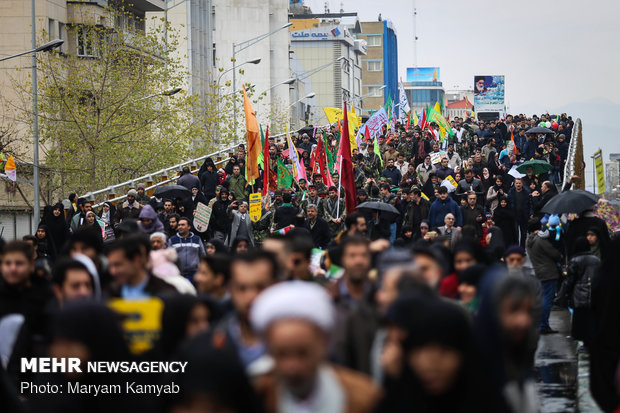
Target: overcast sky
x=552 y=52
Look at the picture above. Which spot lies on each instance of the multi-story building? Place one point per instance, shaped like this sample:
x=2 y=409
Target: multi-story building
x=210 y=28
x=380 y=65
x=54 y=18
x=423 y=87
x=329 y=61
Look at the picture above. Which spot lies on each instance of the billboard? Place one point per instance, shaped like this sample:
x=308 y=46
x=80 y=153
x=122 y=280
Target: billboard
x=488 y=93
x=422 y=74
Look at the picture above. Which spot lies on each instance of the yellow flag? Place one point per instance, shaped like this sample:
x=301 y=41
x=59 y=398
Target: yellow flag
x=437 y=107
x=415 y=118
x=333 y=114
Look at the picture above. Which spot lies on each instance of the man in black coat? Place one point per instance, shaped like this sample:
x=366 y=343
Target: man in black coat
x=317 y=226
x=286 y=214
x=219 y=223
x=473 y=214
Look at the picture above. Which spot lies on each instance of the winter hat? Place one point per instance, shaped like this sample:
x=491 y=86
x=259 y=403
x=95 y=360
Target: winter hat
x=132 y=192
x=554 y=220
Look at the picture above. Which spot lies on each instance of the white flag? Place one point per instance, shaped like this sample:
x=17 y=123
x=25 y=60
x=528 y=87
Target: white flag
x=404 y=103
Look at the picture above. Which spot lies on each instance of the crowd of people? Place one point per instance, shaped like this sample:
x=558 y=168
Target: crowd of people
x=433 y=304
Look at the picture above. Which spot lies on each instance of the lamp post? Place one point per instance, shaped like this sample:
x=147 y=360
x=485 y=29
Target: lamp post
x=308 y=96
x=237 y=47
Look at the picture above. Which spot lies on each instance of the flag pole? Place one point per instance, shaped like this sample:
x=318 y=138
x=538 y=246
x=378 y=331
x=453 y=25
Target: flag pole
x=339 y=181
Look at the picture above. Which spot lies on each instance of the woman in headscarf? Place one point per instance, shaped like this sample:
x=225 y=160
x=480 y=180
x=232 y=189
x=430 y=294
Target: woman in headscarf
x=184 y=316
x=506 y=330
x=214 y=379
x=91 y=332
x=576 y=290
x=504 y=218
x=439 y=368
x=593 y=236
x=229 y=166
x=57 y=228
x=46 y=248
x=494 y=193
x=149 y=222
x=91 y=221
x=215 y=245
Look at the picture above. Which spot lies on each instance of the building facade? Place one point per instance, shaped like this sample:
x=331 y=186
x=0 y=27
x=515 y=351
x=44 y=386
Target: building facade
x=329 y=63
x=380 y=65
x=461 y=108
x=53 y=20
x=423 y=94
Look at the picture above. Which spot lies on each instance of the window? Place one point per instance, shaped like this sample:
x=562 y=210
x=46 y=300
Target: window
x=373 y=41
x=358 y=87
x=51 y=29
x=375 y=91
x=86 y=42
x=375 y=66
x=62 y=35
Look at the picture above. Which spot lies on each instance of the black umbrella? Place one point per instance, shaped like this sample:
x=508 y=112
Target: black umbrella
x=172 y=191
x=378 y=206
x=540 y=129
x=570 y=202
x=306 y=129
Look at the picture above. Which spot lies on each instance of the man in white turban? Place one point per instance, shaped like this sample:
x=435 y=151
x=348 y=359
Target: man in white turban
x=296 y=319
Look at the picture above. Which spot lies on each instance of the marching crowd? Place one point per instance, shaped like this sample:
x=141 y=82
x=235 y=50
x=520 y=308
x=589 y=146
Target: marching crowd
x=430 y=296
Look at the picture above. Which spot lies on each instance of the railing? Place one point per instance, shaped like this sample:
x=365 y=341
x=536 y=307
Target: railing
x=168 y=175
x=574 y=159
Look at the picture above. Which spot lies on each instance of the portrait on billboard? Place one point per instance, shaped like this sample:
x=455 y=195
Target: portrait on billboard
x=480 y=84
x=488 y=93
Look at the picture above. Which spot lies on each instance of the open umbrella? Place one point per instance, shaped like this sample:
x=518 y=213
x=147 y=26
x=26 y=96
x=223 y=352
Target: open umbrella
x=540 y=129
x=172 y=191
x=570 y=202
x=539 y=167
x=378 y=206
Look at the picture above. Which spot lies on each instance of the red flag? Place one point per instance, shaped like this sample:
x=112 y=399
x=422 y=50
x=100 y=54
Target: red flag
x=367 y=134
x=408 y=120
x=512 y=138
x=322 y=164
x=423 y=123
x=266 y=164
x=348 y=180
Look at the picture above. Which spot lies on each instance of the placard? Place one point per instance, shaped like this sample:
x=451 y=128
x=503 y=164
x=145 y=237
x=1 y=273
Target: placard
x=141 y=321
x=255 y=206
x=202 y=217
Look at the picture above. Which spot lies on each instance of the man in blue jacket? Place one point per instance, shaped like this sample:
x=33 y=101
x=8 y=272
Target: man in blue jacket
x=189 y=248
x=392 y=173
x=442 y=206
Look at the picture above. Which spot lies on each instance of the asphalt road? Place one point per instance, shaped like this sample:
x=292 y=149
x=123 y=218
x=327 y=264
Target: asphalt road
x=562 y=371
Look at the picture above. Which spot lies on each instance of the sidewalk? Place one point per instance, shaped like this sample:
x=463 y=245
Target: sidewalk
x=561 y=372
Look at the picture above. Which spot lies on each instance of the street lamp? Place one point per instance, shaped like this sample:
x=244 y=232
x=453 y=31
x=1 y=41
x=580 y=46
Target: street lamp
x=286 y=82
x=43 y=48
x=372 y=93
x=253 y=62
x=168 y=92
x=308 y=96
x=46 y=47
x=237 y=47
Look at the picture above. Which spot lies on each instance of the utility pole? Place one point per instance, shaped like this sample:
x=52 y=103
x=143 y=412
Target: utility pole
x=415 y=36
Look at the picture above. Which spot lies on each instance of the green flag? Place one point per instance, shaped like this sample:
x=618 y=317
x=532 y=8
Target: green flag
x=285 y=177
x=261 y=156
x=434 y=116
x=377 y=151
